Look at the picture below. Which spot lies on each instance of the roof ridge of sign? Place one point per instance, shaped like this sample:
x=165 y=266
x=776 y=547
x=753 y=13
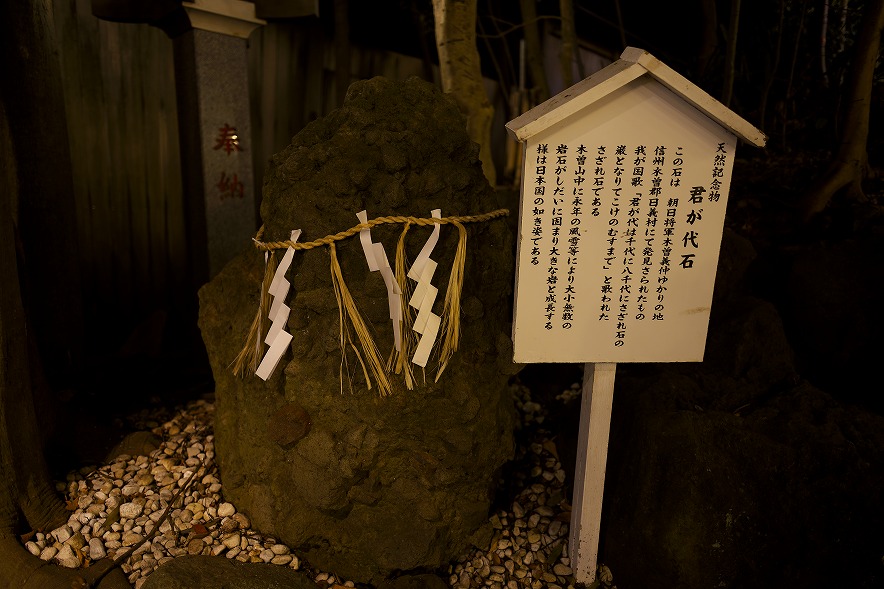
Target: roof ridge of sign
x=633 y=63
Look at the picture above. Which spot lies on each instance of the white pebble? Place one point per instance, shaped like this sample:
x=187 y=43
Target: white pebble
x=281 y=559
x=131 y=538
x=48 y=553
x=131 y=510
x=62 y=534
x=562 y=570
x=242 y=520
x=231 y=541
x=33 y=548
x=226 y=510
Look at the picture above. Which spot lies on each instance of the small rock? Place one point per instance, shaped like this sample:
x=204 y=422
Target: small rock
x=231 y=541
x=62 y=534
x=132 y=538
x=67 y=558
x=48 y=553
x=195 y=508
x=281 y=559
x=131 y=510
x=562 y=570
x=195 y=546
x=226 y=510
x=242 y=520
x=279 y=549
x=33 y=548
x=96 y=549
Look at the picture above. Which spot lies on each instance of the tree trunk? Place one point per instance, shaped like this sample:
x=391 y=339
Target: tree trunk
x=461 y=73
x=771 y=73
x=569 y=42
x=727 y=91
x=342 y=50
x=709 y=38
x=533 y=51
x=850 y=164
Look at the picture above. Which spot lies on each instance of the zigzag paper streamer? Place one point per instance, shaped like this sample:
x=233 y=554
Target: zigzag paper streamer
x=378 y=262
x=277 y=337
x=427 y=323
x=365 y=240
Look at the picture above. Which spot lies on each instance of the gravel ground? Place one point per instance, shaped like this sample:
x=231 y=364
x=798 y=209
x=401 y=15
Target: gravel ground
x=145 y=510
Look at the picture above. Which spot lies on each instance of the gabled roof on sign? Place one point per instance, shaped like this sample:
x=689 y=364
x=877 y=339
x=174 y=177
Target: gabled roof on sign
x=633 y=64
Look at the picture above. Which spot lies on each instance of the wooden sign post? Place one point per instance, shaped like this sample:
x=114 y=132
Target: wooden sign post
x=624 y=192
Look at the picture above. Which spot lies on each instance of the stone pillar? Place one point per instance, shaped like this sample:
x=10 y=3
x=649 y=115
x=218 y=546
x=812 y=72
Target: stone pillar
x=211 y=74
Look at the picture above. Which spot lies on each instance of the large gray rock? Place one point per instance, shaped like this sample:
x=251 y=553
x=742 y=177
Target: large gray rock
x=362 y=485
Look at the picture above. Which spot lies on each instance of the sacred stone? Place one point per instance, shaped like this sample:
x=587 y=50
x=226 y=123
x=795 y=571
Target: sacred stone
x=357 y=483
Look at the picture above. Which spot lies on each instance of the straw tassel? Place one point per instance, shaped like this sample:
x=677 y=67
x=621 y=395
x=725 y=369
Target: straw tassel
x=451 y=313
x=346 y=305
x=253 y=350
x=400 y=363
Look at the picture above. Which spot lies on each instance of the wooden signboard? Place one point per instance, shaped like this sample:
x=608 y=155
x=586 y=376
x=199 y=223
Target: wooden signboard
x=624 y=191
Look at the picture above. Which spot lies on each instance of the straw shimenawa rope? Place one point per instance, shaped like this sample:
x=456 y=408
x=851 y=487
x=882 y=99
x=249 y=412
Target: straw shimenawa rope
x=369 y=358
x=329 y=239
